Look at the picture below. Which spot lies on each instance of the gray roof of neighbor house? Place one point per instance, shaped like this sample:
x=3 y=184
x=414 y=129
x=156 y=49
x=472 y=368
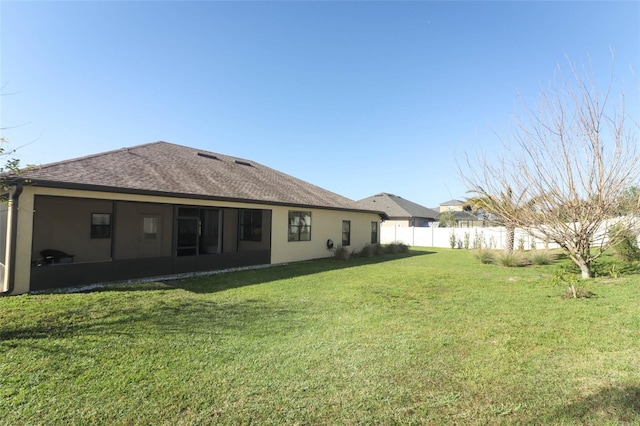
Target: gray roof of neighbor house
x=462 y=215
x=397 y=207
x=162 y=168
x=459 y=215
x=452 y=203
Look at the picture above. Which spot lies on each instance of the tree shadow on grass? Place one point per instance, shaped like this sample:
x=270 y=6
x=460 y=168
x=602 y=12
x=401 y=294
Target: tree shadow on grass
x=225 y=280
x=220 y=282
x=632 y=268
x=616 y=405
x=560 y=256
x=174 y=316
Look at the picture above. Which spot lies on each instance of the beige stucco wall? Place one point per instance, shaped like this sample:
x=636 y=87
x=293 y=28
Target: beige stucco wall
x=23 y=242
x=7 y=241
x=451 y=208
x=326 y=224
x=394 y=223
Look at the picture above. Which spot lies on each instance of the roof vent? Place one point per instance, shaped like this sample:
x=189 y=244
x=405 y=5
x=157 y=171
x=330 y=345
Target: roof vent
x=210 y=156
x=244 y=163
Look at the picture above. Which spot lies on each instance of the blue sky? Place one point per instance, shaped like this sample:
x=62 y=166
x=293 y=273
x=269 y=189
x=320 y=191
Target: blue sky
x=355 y=97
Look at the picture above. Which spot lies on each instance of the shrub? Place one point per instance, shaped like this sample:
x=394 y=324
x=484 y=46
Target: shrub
x=341 y=253
x=610 y=267
x=626 y=247
x=368 y=251
x=478 y=241
x=579 y=293
x=452 y=240
x=568 y=276
x=396 y=247
x=485 y=256
x=614 y=272
x=492 y=242
x=391 y=248
x=541 y=258
x=512 y=260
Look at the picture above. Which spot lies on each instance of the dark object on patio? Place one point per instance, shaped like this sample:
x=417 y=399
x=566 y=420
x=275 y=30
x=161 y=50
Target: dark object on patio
x=51 y=256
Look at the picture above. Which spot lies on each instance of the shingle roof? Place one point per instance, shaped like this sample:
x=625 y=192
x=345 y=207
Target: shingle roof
x=170 y=169
x=397 y=207
x=462 y=215
x=452 y=203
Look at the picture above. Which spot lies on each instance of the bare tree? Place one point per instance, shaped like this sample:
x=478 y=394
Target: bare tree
x=9 y=165
x=566 y=168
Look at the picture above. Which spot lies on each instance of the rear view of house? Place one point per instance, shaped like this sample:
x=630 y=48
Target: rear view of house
x=160 y=209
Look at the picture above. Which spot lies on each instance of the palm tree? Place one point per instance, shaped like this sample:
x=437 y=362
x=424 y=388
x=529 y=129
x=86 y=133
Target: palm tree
x=502 y=206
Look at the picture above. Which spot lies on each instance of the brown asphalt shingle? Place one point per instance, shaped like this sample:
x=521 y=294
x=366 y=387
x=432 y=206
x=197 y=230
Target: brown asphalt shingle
x=167 y=168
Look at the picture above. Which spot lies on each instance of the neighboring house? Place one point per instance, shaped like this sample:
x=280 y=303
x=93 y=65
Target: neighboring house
x=161 y=209
x=401 y=212
x=462 y=214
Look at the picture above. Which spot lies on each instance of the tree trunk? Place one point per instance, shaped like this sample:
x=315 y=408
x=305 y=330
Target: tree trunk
x=579 y=258
x=586 y=272
x=572 y=290
x=509 y=239
x=585 y=269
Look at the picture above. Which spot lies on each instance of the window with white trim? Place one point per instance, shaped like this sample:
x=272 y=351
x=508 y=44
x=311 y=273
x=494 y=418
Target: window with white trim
x=299 y=226
x=346 y=232
x=374 y=232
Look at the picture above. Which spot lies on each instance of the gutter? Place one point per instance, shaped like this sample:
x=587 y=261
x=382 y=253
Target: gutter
x=14 y=238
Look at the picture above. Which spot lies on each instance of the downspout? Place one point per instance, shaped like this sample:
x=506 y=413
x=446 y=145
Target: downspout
x=14 y=238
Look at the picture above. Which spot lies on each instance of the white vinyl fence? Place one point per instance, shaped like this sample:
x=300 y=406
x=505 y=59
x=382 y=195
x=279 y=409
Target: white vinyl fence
x=489 y=237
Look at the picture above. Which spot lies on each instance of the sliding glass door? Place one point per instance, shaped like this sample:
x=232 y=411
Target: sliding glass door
x=198 y=231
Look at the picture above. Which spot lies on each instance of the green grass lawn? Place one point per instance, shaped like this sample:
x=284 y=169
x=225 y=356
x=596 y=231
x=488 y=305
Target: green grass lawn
x=428 y=337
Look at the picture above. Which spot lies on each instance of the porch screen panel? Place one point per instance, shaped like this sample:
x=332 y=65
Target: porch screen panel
x=187 y=244
x=209 y=242
x=198 y=231
x=150 y=228
x=250 y=225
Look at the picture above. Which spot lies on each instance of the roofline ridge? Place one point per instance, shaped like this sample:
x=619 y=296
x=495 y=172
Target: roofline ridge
x=99 y=154
x=280 y=186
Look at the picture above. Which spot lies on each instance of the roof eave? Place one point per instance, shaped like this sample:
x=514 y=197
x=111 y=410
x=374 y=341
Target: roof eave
x=119 y=190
